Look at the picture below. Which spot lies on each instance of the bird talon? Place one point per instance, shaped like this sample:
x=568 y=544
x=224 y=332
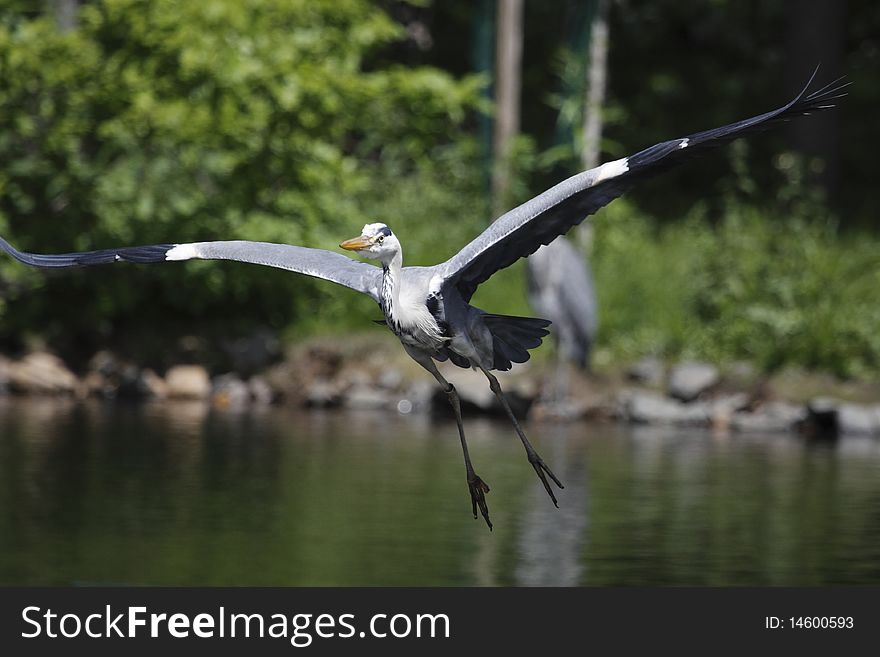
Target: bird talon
x=540 y=468
x=478 y=489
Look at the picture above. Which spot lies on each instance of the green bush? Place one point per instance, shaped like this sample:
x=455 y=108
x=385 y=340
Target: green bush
x=279 y=120
x=770 y=289
x=163 y=121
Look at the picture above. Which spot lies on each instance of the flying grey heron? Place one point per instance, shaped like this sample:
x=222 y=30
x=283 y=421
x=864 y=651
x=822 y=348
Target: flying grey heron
x=428 y=308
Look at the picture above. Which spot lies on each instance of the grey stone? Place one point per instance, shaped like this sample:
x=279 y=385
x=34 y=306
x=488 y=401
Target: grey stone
x=41 y=373
x=366 y=397
x=188 y=382
x=729 y=403
x=722 y=408
x=322 y=393
x=390 y=378
x=229 y=391
x=261 y=391
x=857 y=419
x=95 y=383
x=153 y=385
x=823 y=405
x=829 y=416
x=648 y=371
x=476 y=395
x=472 y=389
x=773 y=417
x=651 y=408
x=689 y=380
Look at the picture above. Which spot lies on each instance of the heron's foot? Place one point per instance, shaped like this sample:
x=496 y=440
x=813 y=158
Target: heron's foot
x=478 y=489
x=541 y=468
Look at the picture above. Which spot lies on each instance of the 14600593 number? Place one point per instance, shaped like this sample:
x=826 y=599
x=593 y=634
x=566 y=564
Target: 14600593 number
x=821 y=622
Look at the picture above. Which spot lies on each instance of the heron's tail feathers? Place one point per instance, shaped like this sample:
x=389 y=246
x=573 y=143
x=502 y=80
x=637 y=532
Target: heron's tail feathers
x=514 y=336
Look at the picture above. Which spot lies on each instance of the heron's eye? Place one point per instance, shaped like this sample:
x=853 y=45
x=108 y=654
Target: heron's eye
x=380 y=238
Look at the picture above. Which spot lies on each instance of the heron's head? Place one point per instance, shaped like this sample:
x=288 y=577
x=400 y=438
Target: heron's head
x=376 y=241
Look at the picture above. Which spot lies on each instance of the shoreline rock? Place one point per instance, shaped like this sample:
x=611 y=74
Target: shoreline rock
x=321 y=376
x=773 y=417
x=188 y=382
x=642 y=407
x=41 y=373
x=831 y=417
x=688 y=381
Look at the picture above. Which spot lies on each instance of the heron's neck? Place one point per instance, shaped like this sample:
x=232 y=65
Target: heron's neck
x=390 y=293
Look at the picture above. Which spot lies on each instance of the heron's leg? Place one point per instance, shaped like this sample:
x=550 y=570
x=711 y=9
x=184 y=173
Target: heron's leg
x=476 y=486
x=536 y=461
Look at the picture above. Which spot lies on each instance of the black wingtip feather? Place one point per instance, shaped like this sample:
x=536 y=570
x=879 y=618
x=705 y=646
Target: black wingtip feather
x=669 y=153
x=135 y=254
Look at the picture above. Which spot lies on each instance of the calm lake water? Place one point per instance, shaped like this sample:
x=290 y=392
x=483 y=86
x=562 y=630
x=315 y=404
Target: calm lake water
x=178 y=494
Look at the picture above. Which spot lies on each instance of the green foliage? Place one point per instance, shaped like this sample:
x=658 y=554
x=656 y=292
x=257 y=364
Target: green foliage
x=164 y=121
x=287 y=120
x=771 y=289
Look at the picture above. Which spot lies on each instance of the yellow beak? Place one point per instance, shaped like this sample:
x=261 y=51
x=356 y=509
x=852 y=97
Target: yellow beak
x=356 y=244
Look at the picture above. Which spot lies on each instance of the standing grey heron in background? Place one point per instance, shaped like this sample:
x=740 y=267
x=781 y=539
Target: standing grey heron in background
x=561 y=289
x=428 y=307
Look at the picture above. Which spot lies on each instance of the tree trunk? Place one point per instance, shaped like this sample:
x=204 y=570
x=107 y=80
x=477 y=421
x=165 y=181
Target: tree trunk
x=508 y=64
x=597 y=73
x=483 y=58
x=65 y=13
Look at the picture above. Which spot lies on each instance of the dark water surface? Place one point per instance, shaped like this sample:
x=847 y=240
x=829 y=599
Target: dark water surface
x=179 y=494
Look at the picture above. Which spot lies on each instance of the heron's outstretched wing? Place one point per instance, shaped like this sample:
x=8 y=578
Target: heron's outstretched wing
x=319 y=263
x=521 y=231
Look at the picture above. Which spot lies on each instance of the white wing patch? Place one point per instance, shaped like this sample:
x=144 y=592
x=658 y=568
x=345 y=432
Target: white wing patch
x=611 y=170
x=181 y=252
x=684 y=143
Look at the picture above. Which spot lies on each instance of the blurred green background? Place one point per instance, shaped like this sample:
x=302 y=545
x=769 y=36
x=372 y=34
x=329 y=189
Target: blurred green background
x=132 y=122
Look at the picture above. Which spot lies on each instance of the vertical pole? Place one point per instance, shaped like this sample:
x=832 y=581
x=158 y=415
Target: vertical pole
x=65 y=13
x=597 y=72
x=508 y=63
x=483 y=58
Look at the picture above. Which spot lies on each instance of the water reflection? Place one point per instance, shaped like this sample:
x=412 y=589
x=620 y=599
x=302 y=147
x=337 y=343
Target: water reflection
x=182 y=494
x=550 y=544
